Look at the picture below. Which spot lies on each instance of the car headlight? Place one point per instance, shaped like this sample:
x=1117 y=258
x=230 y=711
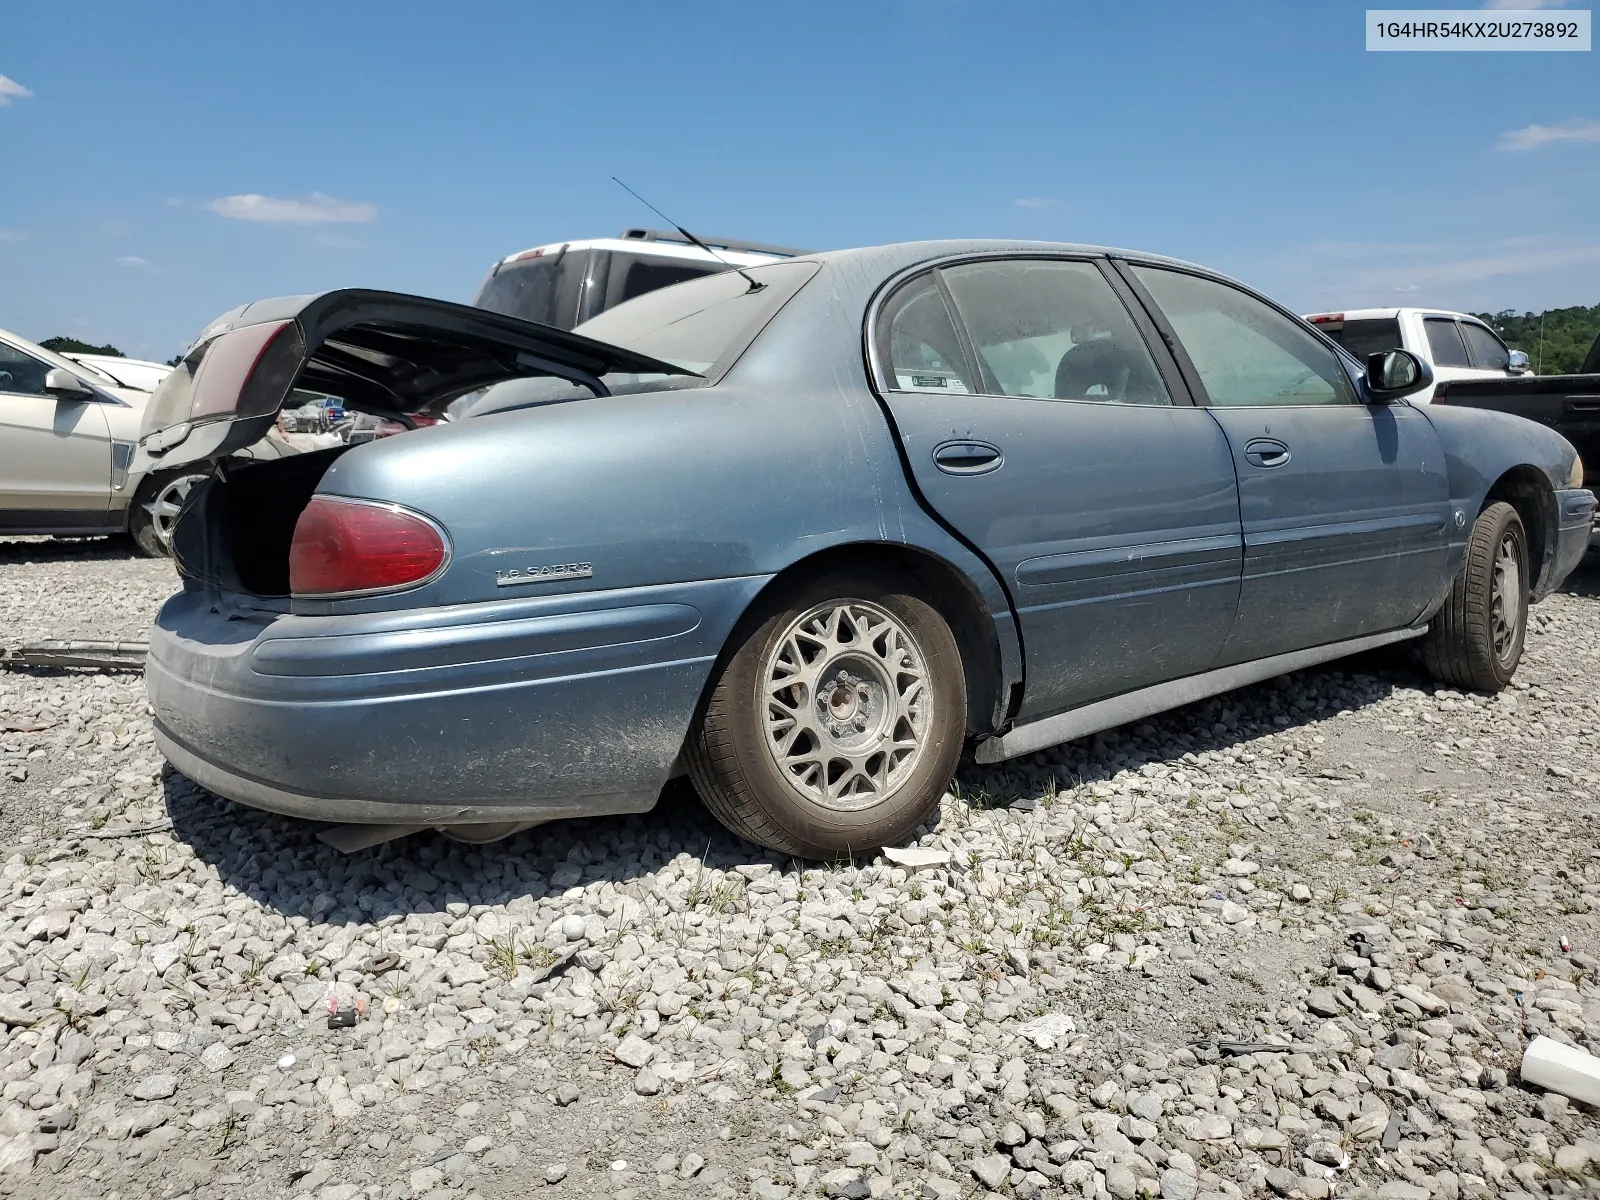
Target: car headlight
x=1575 y=479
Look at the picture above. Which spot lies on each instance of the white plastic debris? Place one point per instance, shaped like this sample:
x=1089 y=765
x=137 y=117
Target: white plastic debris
x=1044 y=1032
x=1556 y=1068
x=916 y=856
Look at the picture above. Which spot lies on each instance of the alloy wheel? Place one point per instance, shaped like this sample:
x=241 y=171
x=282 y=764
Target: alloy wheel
x=846 y=704
x=1506 y=597
x=165 y=505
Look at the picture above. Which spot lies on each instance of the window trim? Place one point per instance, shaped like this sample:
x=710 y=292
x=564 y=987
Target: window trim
x=874 y=333
x=1124 y=265
x=1454 y=323
x=1472 y=355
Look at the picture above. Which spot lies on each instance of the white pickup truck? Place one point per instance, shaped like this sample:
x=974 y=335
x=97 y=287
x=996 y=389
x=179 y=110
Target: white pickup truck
x=1456 y=345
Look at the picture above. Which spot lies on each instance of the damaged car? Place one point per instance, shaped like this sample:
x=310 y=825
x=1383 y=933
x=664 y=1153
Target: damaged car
x=808 y=531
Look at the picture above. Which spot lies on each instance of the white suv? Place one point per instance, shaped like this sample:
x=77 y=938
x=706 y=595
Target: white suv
x=1457 y=345
x=566 y=283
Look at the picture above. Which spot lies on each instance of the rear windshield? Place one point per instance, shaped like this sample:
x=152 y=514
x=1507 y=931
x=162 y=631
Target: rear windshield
x=543 y=289
x=1362 y=338
x=703 y=324
x=634 y=275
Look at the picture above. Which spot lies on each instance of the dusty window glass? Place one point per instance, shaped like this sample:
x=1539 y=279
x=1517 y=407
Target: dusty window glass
x=1246 y=352
x=1488 y=352
x=924 y=353
x=1368 y=336
x=1444 y=342
x=1054 y=331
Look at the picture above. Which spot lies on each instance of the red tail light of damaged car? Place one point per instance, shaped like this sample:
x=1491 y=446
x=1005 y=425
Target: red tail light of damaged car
x=345 y=547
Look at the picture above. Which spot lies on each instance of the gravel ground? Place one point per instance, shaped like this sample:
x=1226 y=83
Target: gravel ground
x=1291 y=941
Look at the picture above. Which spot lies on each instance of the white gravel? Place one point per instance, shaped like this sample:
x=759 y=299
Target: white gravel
x=1366 y=879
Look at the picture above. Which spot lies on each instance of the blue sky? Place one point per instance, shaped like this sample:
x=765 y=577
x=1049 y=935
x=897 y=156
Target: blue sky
x=163 y=163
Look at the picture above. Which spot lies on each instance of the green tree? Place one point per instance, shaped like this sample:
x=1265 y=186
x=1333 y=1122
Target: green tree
x=67 y=345
x=1556 y=341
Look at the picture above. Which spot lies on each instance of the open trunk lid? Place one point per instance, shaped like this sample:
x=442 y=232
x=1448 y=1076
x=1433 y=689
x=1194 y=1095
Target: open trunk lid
x=385 y=353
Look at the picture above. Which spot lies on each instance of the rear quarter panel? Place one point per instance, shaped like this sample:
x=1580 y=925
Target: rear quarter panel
x=788 y=456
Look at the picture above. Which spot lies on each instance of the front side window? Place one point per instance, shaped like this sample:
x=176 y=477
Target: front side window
x=1247 y=353
x=1444 y=342
x=1053 y=331
x=1488 y=352
x=21 y=372
x=920 y=343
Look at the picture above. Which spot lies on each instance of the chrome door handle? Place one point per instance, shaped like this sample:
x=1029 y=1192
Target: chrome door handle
x=967 y=457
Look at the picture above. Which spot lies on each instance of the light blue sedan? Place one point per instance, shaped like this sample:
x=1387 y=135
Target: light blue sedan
x=808 y=532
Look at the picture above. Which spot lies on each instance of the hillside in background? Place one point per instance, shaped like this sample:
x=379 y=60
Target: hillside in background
x=1567 y=335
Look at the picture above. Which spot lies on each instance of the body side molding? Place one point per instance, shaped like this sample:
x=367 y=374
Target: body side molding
x=1130 y=706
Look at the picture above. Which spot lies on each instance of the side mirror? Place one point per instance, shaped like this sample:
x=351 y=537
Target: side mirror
x=1394 y=373
x=1517 y=363
x=64 y=385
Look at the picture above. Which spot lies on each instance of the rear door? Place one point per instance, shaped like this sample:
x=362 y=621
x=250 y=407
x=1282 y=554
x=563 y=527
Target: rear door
x=384 y=353
x=1036 y=423
x=55 y=454
x=1345 y=505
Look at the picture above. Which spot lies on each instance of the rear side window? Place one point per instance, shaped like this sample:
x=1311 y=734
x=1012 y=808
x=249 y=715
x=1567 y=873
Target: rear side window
x=1365 y=337
x=1488 y=352
x=1247 y=353
x=1444 y=342
x=1052 y=331
x=920 y=344
x=632 y=275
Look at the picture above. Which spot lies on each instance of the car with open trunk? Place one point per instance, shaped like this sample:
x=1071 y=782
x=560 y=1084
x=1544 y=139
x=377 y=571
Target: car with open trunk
x=808 y=531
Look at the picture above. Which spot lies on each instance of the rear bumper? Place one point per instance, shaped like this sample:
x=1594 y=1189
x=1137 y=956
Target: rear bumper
x=1576 y=532
x=529 y=709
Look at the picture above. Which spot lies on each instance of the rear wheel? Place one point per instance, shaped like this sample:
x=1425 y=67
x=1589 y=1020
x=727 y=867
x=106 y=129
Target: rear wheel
x=156 y=507
x=1475 y=640
x=836 y=725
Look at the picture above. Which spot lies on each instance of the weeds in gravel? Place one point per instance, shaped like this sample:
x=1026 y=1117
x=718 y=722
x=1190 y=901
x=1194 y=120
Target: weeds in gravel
x=537 y=956
x=225 y=1134
x=484 y=1048
x=503 y=956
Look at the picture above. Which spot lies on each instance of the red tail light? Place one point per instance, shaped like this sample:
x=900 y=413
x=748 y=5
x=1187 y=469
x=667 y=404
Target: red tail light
x=1439 y=396
x=357 y=547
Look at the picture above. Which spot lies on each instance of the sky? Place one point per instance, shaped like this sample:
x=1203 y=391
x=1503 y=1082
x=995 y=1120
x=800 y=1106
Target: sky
x=160 y=164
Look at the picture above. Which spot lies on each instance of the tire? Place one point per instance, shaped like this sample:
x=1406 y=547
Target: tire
x=155 y=510
x=1475 y=641
x=771 y=764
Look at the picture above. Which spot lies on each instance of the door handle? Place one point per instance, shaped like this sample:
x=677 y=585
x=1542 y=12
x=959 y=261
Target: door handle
x=1264 y=452
x=967 y=457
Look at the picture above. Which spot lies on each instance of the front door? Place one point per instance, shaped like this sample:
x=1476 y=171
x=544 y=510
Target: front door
x=1345 y=506
x=1037 y=425
x=55 y=455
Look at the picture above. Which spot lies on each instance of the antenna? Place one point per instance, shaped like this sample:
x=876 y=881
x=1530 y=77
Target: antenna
x=755 y=284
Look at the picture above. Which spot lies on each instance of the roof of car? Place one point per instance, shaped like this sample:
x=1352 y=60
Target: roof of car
x=654 y=249
x=902 y=255
x=1389 y=314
